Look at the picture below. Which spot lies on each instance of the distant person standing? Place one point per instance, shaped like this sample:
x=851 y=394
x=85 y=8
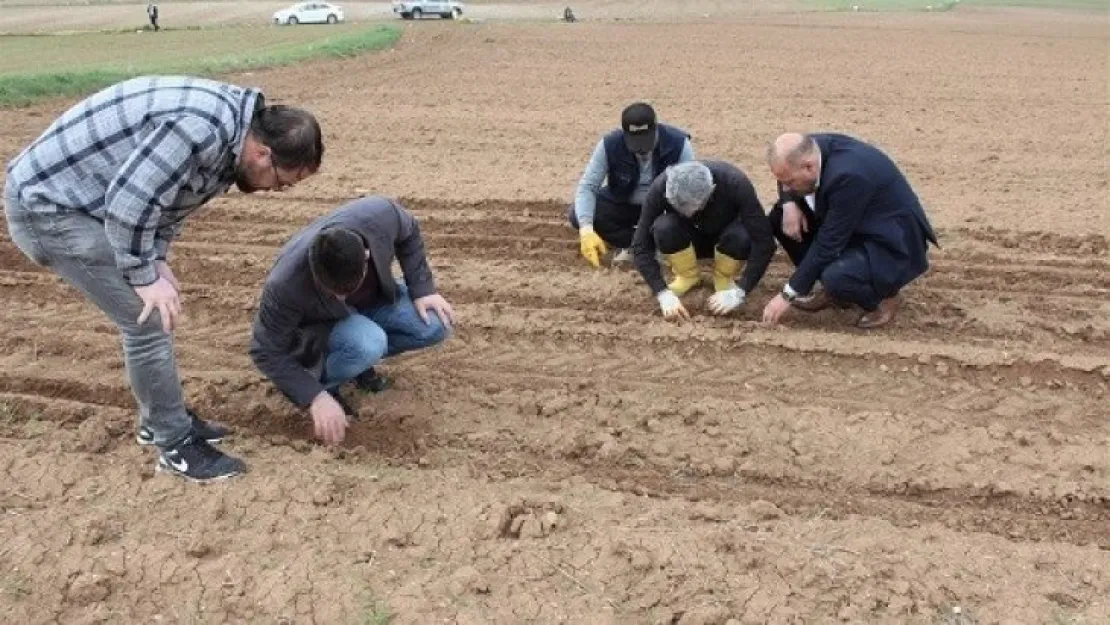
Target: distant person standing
x=152 y=13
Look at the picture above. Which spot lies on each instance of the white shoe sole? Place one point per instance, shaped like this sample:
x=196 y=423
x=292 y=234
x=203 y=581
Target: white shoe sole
x=160 y=468
x=150 y=442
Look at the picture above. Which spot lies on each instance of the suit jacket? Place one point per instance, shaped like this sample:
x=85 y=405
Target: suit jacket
x=295 y=316
x=863 y=200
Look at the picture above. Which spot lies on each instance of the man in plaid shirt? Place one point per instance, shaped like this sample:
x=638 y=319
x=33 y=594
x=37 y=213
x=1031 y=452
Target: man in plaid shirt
x=101 y=194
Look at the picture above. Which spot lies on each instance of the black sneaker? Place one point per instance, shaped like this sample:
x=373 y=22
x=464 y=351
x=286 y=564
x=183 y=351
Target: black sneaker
x=370 y=382
x=211 y=432
x=347 y=409
x=196 y=460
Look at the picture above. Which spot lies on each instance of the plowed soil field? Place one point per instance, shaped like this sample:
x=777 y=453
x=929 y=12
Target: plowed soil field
x=568 y=456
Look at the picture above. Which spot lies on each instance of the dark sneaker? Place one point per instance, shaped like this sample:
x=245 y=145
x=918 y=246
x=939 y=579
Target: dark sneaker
x=195 y=459
x=211 y=432
x=370 y=382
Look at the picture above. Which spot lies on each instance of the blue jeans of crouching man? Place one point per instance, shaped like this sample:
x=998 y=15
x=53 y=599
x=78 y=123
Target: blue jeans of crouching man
x=363 y=339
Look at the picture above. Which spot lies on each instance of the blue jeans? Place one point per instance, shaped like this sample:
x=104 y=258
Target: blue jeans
x=361 y=340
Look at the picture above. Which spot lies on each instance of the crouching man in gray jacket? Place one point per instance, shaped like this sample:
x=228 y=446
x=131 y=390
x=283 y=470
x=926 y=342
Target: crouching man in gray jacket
x=330 y=308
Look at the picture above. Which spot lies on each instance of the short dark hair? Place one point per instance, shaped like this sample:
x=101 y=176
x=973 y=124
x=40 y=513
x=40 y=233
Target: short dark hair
x=292 y=134
x=337 y=259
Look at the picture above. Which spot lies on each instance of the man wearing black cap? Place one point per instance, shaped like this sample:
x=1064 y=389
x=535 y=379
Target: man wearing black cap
x=627 y=160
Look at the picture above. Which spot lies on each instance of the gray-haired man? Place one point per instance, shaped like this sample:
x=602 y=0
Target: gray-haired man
x=101 y=194
x=703 y=209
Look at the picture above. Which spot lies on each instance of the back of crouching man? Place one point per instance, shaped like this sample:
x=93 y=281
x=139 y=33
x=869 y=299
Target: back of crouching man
x=330 y=308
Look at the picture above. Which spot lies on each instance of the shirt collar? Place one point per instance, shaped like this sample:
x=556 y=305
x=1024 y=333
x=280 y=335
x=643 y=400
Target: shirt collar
x=820 y=169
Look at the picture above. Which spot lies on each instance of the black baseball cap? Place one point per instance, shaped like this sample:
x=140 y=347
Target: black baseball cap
x=639 y=125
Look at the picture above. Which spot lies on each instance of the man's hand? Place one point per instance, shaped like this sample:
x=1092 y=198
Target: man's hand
x=672 y=307
x=328 y=419
x=591 y=245
x=164 y=271
x=724 y=302
x=436 y=303
x=161 y=295
x=794 y=223
x=775 y=310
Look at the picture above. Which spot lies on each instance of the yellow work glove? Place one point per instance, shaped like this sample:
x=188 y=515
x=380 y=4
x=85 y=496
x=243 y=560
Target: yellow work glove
x=593 y=248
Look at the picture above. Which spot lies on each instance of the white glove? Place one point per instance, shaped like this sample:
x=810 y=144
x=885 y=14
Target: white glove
x=724 y=302
x=671 y=306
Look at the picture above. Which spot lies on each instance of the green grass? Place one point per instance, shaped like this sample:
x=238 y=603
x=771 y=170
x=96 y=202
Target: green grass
x=945 y=5
x=17 y=586
x=376 y=613
x=1103 y=5
x=76 y=64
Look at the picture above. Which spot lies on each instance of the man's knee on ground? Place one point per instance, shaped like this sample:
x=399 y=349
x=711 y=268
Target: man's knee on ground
x=669 y=235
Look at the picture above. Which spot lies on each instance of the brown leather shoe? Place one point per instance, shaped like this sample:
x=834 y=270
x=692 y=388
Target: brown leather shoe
x=818 y=301
x=881 y=316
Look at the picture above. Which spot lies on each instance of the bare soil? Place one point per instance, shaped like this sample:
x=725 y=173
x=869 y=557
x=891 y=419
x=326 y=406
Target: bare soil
x=568 y=456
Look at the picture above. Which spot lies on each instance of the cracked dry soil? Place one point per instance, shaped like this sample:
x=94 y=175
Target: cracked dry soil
x=568 y=457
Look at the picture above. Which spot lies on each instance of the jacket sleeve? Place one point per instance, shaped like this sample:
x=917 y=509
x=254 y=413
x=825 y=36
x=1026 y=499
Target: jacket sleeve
x=786 y=196
x=687 y=154
x=412 y=256
x=848 y=198
x=759 y=231
x=643 y=242
x=585 y=199
x=165 y=235
x=272 y=348
x=146 y=183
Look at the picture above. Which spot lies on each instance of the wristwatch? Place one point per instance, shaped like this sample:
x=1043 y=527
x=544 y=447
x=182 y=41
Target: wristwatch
x=788 y=293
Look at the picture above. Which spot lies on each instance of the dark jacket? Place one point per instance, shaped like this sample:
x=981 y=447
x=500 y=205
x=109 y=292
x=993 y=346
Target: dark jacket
x=295 y=316
x=863 y=200
x=624 y=169
x=733 y=198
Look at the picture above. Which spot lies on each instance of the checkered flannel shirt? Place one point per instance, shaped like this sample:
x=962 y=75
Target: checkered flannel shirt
x=138 y=156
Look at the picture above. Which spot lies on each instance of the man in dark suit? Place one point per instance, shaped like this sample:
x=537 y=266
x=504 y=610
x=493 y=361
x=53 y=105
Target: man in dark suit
x=330 y=308
x=846 y=216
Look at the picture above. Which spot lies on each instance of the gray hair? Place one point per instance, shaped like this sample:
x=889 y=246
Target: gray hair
x=689 y=186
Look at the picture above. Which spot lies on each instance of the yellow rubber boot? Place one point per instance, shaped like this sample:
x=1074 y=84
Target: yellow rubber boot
x=684 y=266
x=725 y=271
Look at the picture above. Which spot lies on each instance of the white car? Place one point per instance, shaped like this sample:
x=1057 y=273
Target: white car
x=416 y=9
x=310 y=13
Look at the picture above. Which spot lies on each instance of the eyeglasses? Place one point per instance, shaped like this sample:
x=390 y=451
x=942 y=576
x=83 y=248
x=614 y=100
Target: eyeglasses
x=279 y=184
